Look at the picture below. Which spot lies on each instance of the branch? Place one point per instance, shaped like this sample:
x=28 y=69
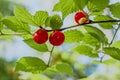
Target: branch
x=50 y=56
x=91 y=22
x=114 y=34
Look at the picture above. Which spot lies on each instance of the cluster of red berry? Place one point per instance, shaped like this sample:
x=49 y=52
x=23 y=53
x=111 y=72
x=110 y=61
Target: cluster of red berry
x=56 y=38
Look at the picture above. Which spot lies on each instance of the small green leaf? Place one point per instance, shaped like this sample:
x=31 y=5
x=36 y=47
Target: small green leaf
x=73 y=36
x=24 y=15
x=34 y=45
x=85 y=50
x=113 y=52
x=103 y=18
x=69 y=6
x=55 y=22
x=61 y=68
x=89 y=39
x=30 y=64
x=47 y=22
x=16 y=25
x=40 y=17
x=114 y=8
x=97 y=33
x=97 y=5
x=116 y=44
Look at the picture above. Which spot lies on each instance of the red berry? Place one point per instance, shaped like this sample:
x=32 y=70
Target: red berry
x=81 y=17
x=56 y=38
x=40 y=36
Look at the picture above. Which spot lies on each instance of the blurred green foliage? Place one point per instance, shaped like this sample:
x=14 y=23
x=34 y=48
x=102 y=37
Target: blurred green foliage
x=7 y=6
x=6 y=70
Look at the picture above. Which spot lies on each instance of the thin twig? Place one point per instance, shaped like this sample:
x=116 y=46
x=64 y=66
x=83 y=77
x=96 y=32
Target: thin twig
x=114 y=35
x=91 y=22
x=14 y=33
x=50 y=56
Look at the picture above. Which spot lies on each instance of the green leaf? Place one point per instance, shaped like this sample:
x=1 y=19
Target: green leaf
x=80 y=3
x=61 y=68
x=6 y=37
x=1 y=23
x=64 y=68
x=97 y=5
x=40 y=17
x=116 y=44
x=73 y=36
x=16 y=25
x=26 y=36
x=114 y=8
x=55 y=22
x=89 y=39
x=47 y=22
x=97 y=33
x=107 y=62
x=34 y=45
x=103 y=18
x=24 y=15
x=113 y=52
x=30 y=64
x=85 y=50
x=69 y=6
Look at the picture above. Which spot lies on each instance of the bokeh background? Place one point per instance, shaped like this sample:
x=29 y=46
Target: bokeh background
x=13 y=49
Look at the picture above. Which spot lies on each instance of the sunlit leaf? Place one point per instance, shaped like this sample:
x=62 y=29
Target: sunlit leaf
x=22 y=14
x=30 y=64
x=104 y=18
x=97 y=5
x=69 y=6
x=40 y=17
x=16 y=25
x=73 y=36
x=116 y=44
x=114 y=8
x=61 y=68
x=85 y=50
x=97 y=33
x=36 y=46
x=113 y=52
x=89 y=39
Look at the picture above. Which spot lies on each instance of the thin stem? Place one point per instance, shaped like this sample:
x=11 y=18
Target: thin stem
x=114 y=35
x=91 y=22
x=101 y=58
x=50 y=56
x=14 y=33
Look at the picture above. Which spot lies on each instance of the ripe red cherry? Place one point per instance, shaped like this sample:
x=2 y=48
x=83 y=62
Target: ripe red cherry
x=56 y=38
x=81 y=17
x=40 y=36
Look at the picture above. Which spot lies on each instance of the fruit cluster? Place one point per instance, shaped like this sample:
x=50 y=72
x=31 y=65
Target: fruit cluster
x=57 y=37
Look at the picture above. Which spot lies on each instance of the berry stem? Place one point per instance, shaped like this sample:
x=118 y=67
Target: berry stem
x=50 y=56
x=91 y=22
x=114 y=35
